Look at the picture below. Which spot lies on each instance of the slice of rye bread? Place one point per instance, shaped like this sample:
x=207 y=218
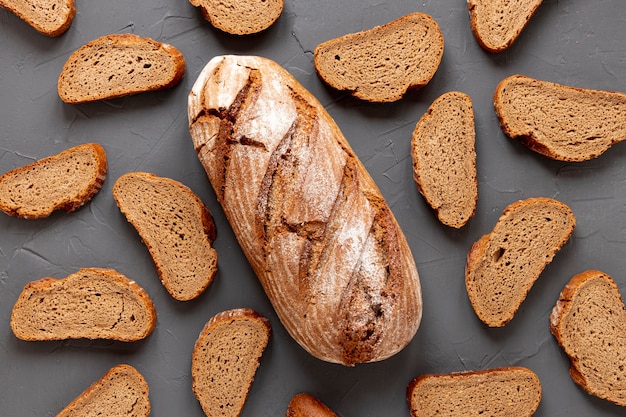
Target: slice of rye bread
x=306 y=405
x=119 y=65
x=444 y=158
x=503 y=265
x=240 y=17
x=65 y=181
x=122 y=391
x=176 y=227
x=498 y=392
x=48 y=17
x=380 y=64
x=560 y=122
x=92 y=303
x=497 y=24
x=225 y=359
x=589 y=323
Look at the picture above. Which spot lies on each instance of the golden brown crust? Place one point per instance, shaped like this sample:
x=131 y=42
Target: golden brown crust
x=26 y=309
x=118 y=65
x=311 y=221
x=51 y=18
x=306 y=405
x=19 y=187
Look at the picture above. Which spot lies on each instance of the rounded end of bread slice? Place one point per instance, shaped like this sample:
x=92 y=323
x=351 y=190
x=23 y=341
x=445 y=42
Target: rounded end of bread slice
x=497 y=392
x=497 y=24
x=557 y=121
x=119 y=65
x=176 y=227
x=503 y=265
x=65 y=181
x=225 y=359
x=589 y=323
x=306 y=405
x=93 y=303
x=240 y=17
x=381 y=64
x=121 y=391
x=49 y=17
x=444 y=158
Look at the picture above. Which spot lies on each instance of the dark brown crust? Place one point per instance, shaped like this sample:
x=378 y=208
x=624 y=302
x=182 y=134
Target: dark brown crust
x=260 y=18
x=71 y=202
x=480 y=37
x=59 y=30
x=123 y=39
x=306 y=405
x=461 y=376
x=98 y=384
x=118 y=278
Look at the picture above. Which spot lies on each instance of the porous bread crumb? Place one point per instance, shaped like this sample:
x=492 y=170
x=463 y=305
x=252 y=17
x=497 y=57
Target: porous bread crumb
x=239 y=17
x=48 y=17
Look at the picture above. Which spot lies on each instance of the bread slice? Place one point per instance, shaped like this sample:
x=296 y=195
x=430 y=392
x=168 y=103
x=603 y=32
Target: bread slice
x=560 y=122
x=176 y=227
x=497 y=24
x=306 y=405
x=444 y=158
x=48 y=17
x=65 y=181
x=499 y=392
x=92 y=303
x=503 y=265
x=119 y=65
x=122 y=391
x=240 y=17
x=380 y=64
x=225 y=359
x=589 y=323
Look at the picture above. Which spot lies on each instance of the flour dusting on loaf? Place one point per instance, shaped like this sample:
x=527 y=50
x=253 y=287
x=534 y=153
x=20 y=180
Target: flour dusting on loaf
x=309 y=218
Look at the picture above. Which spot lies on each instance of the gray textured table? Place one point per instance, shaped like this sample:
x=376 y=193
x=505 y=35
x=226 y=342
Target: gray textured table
x=574 y=42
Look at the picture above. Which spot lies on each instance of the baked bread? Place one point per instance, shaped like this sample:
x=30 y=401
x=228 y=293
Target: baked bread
x=176 y=227
x=225 y=359
x=444 y=158
x=560 y=122
x=589 y=323
x=119 y=65
x=503 y=265
x=499 y=392
x=92 y=303
x=380 y=64
x=240 y=17
x=497 y=24
x=306 y=405
x=65 y=181
x=310 y=219
x=122 y=391
x=48 y=17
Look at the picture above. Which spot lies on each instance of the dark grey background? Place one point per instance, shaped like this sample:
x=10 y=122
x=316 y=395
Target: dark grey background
x=575 y=42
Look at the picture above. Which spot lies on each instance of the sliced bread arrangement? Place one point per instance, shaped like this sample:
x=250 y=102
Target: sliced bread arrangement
x=589 y=323
x=561 y=122
x=502 y=266
x=48 y=17
x=176 y=227
x=444 y=158
x=225 y=359
x=240 y=17
x=497 y=24
x=498 y=392
x=119 y=65
x=65 y=181
x=92 y=303
x=306 y=405
x=122 y=391
x=382 y=63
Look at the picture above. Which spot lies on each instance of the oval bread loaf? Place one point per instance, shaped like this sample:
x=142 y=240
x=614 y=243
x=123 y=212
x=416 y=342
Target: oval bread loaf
x=310 y=219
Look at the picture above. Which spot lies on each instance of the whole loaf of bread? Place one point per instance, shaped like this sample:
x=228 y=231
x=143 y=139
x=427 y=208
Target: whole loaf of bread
x=310 y=219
